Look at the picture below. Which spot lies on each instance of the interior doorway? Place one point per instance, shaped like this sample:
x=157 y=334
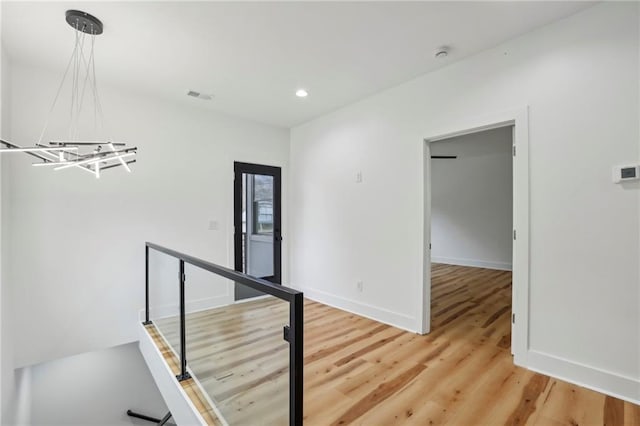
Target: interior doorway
x=517 y=120
x=257 y=224
x=471 y=182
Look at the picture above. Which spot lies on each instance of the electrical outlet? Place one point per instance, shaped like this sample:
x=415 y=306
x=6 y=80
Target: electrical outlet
x=359 y=177
x=360 y=286
x=213 y=225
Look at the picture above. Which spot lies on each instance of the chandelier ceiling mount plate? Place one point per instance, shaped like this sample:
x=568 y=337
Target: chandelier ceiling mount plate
x=83 y=21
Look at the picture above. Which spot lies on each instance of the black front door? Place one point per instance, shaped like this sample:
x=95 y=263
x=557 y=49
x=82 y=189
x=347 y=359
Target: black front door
x=257 y=224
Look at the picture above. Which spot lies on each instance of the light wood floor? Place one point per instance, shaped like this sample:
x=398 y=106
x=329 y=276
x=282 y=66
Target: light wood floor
x=358 y=371
x=361 y=372
x=190 y=387
x=240 y=358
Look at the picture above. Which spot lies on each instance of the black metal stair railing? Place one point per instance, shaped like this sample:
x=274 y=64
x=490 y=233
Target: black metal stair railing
x=293 y=333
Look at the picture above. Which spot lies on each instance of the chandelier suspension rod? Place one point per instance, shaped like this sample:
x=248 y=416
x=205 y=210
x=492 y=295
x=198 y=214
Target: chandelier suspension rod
x=90 y=78
x=55 y=99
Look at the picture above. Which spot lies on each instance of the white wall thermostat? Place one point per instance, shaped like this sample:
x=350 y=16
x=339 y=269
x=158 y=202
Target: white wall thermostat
x=626 y=173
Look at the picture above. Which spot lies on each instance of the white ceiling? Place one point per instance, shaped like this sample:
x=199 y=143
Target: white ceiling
x=253 y=56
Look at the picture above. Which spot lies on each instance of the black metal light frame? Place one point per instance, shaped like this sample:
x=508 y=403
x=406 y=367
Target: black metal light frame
x=293 y=333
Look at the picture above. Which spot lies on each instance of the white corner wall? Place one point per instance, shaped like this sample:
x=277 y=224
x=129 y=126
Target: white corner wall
x=94 y=388
x=76 y=244
x=472 y=200
x=3 y=348
x=579 y=77
x=14 y=396
x=638 y=53
x=15 y=392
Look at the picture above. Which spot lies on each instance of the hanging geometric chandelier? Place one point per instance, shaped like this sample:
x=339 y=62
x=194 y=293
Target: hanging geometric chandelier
x=92 y=156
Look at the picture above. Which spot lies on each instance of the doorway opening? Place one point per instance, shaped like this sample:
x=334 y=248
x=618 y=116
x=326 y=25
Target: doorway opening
x=476 y=231
x=471 y=182
x=257 y=224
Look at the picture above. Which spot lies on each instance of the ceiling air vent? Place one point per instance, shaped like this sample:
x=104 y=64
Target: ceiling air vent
x=199 y=95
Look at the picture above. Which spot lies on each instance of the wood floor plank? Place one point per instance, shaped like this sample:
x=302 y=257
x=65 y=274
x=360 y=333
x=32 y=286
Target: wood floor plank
x=570 y=404
x=613 y=411
x=499 y=383
x=631 y=415
x=530 y=394
x=383 y=391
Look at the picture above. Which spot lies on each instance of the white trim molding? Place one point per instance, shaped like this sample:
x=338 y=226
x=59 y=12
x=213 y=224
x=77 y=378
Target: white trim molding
x=191 y=306
x=606 y=382
x=394 y=319
x=519 y=119
x=501 y=266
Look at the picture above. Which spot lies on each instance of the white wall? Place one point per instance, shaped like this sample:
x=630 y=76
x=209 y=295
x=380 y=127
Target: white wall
x=579 y=77
x=638 y=52
x=2 y=110
x=19 y=408
x=94 y=388
x=472 y=200
x=12 y=391
x=203 y=290
x=76 y=244
x=14 y=384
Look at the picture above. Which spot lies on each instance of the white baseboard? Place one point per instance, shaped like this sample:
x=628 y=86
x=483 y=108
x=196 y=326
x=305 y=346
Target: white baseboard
x=191 y=306
x=395 y=319
x=606 y=382
x=207 y=303
x=502 y=266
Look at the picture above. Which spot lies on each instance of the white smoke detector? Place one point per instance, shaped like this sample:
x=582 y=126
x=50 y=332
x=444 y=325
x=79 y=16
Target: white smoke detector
x=441 y=52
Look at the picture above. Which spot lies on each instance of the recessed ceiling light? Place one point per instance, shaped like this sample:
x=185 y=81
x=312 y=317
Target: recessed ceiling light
x=301 y=93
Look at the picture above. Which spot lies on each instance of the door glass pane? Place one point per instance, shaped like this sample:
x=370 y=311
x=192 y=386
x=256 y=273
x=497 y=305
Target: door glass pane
x=262 y=205
x=257 y=229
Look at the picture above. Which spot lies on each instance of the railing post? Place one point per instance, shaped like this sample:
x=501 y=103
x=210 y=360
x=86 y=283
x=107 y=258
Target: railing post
x=184 y=375
x=296 y=359
x=147 y=321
